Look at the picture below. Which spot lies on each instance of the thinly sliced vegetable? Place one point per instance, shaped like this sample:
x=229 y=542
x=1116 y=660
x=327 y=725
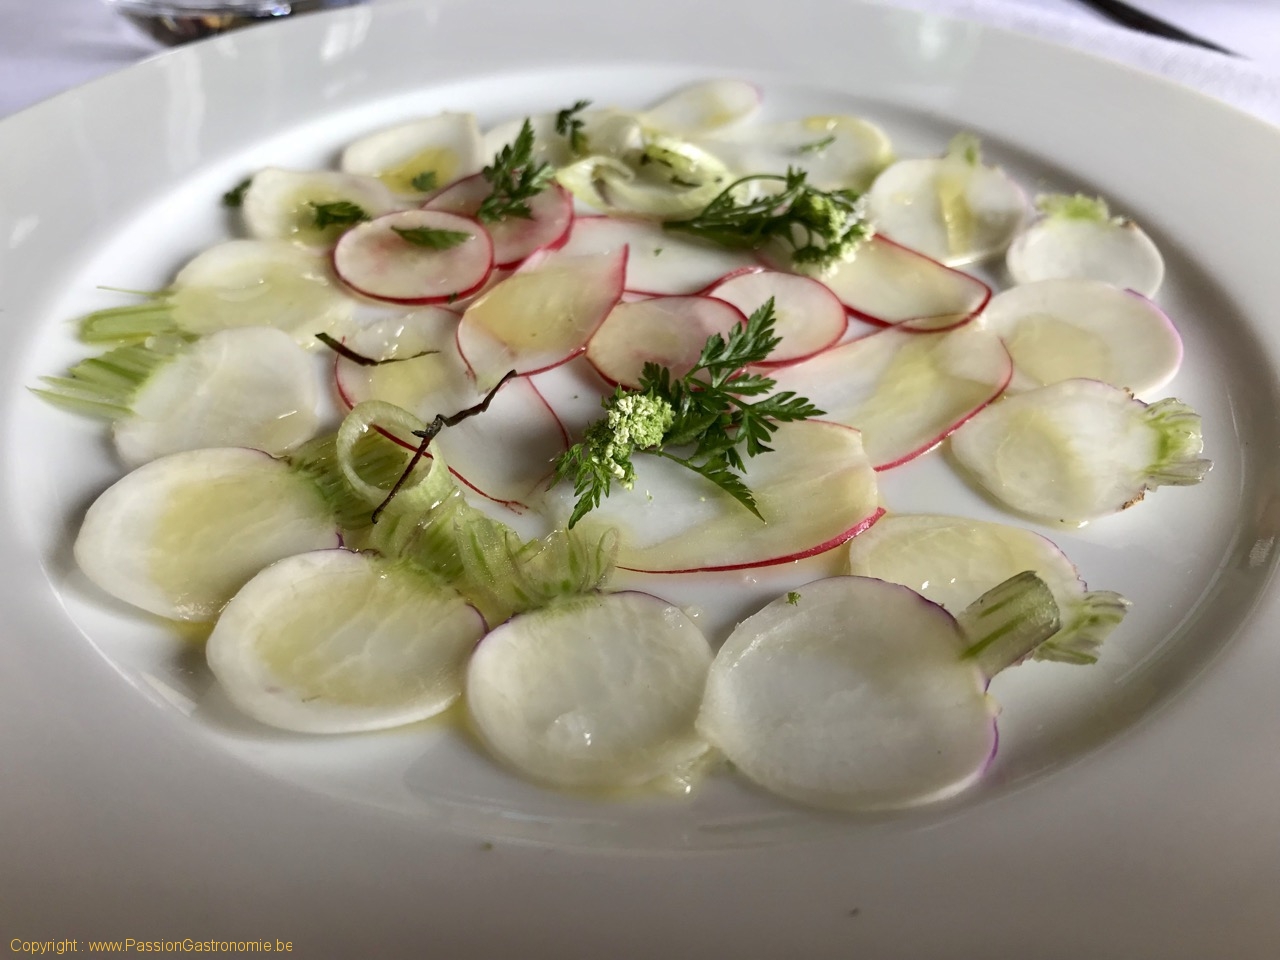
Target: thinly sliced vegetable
x=905 y=391
x=858 y=695
x=954 y=208
x=1078 y=238
x=241 y=283
x=180 y=535
x=708 y=106
x=416 y=158
x=416 y=256
x=1064 y=329
x=666 y=177
x=809 y=317
x=311 y=207
x=607 y=132
x=340 y=642
x=1080 y=449
x=954 y=560
x=597 y=692
x=814 y=491
x=514 y=238
x=540 y=316
x=668 y=331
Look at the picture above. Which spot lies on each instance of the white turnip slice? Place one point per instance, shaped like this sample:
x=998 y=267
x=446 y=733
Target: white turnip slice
x=241 y=283
x=815 y=490
x=662 y=178
x=607 y=132
x=704 y=107
x=668 y=331
x=181 y=534
x=596 y=692
x=858 y=695
x=541 y=315
x=311 y=207
x=415 y=256
x=903 y=390
x=1080 y=449
x=1064 y=329
x=954 y=560
x=339 y=642
x=413 y=159
x=808 y=317
x=954 y=208
x=514 y=238
x=1078 y=238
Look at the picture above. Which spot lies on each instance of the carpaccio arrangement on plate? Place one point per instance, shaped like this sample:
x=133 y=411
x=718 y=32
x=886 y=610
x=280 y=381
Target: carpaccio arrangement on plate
x=757 y=321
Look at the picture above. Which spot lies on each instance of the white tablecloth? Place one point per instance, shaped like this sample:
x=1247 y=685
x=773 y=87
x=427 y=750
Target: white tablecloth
x=50 y=45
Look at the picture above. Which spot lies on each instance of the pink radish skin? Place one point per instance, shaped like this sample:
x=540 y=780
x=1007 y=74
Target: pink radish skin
x=514 y=238
x=668 y=331
x=809 y=317
x=375 y=261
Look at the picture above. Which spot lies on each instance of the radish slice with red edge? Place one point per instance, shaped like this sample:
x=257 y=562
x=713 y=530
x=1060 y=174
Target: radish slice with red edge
x=905 y=391
x=340 y=642
x=660 y=263
x=375 y=260
x=668 y=331
x=1080 y=449
x=541 y=315
x=815 y=490
x=514 y=238
x=594 y=692
x=1067 y=329
x=413 y=159
x=858 y=695
x=808 y=316
x=954 y=560
x=704 y=107
x=289 y=204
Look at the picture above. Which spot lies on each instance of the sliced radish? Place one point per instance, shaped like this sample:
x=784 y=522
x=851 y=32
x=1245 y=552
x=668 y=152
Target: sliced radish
x=704 y=107
x=954 y=560
x=888 y=283
x=340 y=642
x=1080 y=449
x=595 y=692
x=540 y=316
x=378 y=262
x=181 y=534
x=514 y=238
x=815 y=490
x=905 y=391
x=241 y=283
x=660 y=263
x=668 y=331
x=282 y=204
x=1078 y=238
x=953 y=208
x=808 y=316
x=857 y=695
x=1064 y=329
x=415 y=158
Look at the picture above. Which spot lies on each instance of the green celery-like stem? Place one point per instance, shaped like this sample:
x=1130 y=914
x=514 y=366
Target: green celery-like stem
x=134 y=322
x=1004 y=625
x=1181 y=440
x=105 y=386
x=1087 y=623
x=377 y=458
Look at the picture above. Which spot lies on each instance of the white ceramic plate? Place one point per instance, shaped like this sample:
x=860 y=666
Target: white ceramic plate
x=1135 y=807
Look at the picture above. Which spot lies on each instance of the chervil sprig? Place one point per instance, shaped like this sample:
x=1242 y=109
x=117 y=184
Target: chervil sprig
x=339 y=213
x=703 y=420
x=515 y=179
x=570 y=126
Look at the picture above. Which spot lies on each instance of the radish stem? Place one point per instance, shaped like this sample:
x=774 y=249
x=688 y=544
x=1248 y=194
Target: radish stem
x=1004 y=625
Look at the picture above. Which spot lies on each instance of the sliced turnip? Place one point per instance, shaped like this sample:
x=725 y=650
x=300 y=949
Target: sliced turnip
x=181 y=534
x=1064 y=329
x=859 y=695
x=954 y=208
x=665 y=178
x=381 y=259
x=597 y=692
x=954 y=560
x=1077 y=237
x=808 y=316
x=413 y=159
x=660 y=263
x=607 y=132
x=887 y=283
x=1080 y=449
x=340 y=642
x=296 y=204
x=241 y=283
x=815 y=490
x=905 y=391
x=668 y=331
x=708 y=106
x=514 y=238
x=542 y=315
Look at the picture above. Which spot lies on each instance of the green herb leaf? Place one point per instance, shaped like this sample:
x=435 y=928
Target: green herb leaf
x=425 y=181
x=432 y=239
x=340 y=213
x=570 y=125
x=235 y=196
x=515 y=179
